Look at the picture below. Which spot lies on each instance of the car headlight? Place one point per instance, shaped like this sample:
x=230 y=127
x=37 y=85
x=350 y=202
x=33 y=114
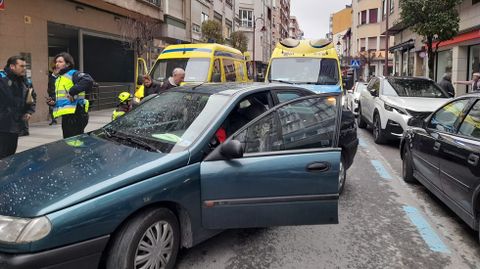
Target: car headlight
x=393 y=108
x=19 y=230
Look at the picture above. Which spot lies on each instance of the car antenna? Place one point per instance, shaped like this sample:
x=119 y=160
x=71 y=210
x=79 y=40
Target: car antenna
x=195 y=87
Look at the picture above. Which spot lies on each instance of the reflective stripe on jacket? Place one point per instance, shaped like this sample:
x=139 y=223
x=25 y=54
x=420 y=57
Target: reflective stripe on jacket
x=63 y=106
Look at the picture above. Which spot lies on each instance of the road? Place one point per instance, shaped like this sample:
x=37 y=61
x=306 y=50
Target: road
x=384 y=223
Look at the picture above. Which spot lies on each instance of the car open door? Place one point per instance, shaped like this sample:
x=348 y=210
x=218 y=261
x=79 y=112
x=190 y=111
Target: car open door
x=286 y=173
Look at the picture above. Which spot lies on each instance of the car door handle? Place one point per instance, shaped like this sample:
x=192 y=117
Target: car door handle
x=318 y=167
x=473 y=159
x=436 y=146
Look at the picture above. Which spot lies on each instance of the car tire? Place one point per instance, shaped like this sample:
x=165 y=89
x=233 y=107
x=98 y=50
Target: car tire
x=407 y=166
x=342 y=175
x=134 y=240
x=362 y=124
x=378 y=133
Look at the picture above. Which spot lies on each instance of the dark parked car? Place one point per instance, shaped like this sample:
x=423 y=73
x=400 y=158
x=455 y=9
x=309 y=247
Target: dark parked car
x=176 y=170
x=443 y=154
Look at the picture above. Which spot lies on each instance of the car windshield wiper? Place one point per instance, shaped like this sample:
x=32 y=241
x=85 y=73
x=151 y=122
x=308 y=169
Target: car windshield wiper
x=131 y=139
x=282 y=81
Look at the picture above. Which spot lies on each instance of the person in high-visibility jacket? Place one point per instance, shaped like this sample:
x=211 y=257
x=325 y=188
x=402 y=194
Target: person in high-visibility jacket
x=124 y=105
x=70 y=103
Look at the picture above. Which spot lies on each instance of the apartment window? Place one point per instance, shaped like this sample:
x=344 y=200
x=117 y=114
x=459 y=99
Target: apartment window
x=196 y=28
x=373 y=15
x=229 y=3
x=153 y=2
x=364 y=17
x=218 y=17
x=392 y=6
x=204 y=17
x=246 y=18
x=228 y=25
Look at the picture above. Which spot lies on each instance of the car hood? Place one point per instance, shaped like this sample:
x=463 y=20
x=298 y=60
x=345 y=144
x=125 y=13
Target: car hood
x=416 y=103
x=66 y=172
x=321 y=88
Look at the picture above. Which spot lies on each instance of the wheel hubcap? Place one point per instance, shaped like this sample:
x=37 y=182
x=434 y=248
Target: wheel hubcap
x=155 y=247
x=376 y=129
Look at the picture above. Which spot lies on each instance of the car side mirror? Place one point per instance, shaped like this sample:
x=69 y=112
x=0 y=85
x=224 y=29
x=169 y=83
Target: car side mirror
x=373 y=92
x=231 y=149
x=350 y=91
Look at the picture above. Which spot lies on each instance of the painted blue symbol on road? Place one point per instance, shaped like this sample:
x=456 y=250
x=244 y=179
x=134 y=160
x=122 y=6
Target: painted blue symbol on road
x=381 y=170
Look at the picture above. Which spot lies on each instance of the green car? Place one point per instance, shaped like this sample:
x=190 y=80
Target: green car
x=178 y=169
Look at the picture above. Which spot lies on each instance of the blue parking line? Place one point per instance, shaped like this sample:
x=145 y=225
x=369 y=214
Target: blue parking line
x=428 y=234
x=362 y=143
x=381 y=170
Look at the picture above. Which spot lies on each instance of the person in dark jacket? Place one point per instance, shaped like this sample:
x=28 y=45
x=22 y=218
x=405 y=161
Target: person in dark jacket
x=446 y=84
x=178 y=76
x=13 y=104
x=70 y=89
x=150 y=87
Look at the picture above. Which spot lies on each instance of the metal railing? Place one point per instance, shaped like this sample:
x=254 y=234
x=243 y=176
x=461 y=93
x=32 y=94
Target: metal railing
x=106 y=95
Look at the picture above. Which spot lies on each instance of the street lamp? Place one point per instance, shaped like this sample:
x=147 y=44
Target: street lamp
x=263 y=29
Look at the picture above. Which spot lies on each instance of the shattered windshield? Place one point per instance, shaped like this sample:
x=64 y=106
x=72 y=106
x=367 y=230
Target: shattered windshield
x=169 y=122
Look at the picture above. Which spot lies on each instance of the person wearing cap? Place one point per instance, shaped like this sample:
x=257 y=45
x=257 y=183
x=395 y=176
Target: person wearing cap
x=124 y=105
x=474 y=82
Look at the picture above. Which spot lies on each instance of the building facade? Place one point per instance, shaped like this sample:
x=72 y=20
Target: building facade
x=294 y=30
x=368 y=42
x=340 y=29
x=222 y=11
x=280 y=21
x=92 y=31
x=459 y=56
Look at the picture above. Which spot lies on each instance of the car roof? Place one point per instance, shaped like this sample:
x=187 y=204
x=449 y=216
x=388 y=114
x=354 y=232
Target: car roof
x=404 y=78
x=233 y=88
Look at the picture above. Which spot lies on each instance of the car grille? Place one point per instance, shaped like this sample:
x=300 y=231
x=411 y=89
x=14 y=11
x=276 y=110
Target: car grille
x=417 y=114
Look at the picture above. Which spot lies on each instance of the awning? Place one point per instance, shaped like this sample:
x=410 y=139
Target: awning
x=403 y=46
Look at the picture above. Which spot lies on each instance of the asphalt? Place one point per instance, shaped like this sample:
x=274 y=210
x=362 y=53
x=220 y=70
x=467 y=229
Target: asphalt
x=42 y=133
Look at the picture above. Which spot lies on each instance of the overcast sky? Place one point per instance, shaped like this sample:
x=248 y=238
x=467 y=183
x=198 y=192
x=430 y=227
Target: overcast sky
x=314 y=15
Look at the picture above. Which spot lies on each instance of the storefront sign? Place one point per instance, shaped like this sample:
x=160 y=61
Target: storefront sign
x=2 y=4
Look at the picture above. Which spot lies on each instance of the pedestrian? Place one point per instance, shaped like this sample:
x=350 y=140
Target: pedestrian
x=30 y=99
x=70 y=103
x=52 y=77
x=124 y=105
x=14 y=108
x=474 y=82
x=178 y=76
x=150 y=86
x=446 y=84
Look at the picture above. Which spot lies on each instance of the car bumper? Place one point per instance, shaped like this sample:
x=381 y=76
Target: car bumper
x=395 y=124
x=81 y=255
x=349 y=151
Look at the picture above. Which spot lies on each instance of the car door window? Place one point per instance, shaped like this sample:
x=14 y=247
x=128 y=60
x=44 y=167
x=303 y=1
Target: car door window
x=229 y=68
x=471 y=124
x=216 y=74
x=286 y=96
x=307 y=123
x=444 y=119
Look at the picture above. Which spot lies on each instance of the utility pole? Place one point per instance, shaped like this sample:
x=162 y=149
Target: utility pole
x=387 y=37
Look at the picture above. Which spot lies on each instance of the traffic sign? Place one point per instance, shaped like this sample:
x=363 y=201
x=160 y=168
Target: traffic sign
x=355 y=64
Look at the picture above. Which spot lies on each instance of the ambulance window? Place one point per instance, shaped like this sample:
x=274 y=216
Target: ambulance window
x=216 y=74
x=229 y=69
x=328 y=72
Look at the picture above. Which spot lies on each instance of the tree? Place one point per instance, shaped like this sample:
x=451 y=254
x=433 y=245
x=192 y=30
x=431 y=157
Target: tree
x=239 y=41
x=138 y=34
x=212 y=32
x=435 y=20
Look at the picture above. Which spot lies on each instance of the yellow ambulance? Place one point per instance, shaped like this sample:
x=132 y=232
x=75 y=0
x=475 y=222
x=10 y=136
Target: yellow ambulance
x=313 y=64
x=201 y=62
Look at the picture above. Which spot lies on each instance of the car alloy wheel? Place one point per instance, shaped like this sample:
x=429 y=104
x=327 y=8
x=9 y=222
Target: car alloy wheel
x=378 y=135
x=156 y=247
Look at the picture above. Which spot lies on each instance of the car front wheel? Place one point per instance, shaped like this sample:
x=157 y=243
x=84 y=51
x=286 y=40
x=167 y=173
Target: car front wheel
x=378 y=133
x=362 y=124
x=149 y=240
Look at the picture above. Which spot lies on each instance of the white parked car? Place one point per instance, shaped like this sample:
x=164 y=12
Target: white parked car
x=352 y=96
x=389 y=102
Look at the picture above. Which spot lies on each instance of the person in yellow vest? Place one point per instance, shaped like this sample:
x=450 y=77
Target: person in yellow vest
x=124 y=105
x=70 y=102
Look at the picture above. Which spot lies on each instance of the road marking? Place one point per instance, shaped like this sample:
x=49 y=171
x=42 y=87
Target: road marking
x=381 y=169
x=362 y=143
x=426 y=231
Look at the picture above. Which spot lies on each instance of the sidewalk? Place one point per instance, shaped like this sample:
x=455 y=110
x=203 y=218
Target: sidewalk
x=42 y=133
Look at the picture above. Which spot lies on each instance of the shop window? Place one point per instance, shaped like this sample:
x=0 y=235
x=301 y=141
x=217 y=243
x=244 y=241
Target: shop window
x=474 y=56
x=364 y=17
x=444 y=63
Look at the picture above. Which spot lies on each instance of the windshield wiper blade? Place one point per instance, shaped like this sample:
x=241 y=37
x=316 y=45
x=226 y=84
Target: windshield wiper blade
x=282 y=81
x=111 y=133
